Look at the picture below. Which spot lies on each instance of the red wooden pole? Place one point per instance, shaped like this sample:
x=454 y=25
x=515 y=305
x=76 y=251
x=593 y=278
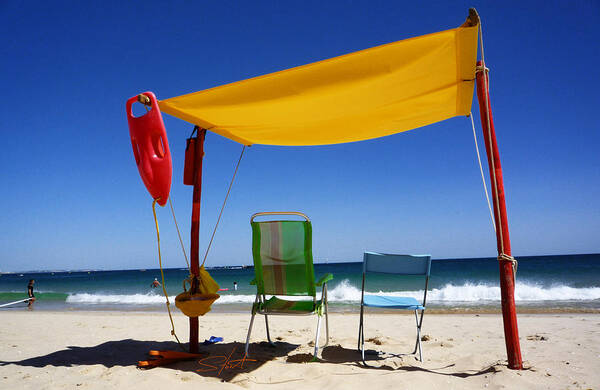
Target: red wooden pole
x=507 y=278
x=195 y=230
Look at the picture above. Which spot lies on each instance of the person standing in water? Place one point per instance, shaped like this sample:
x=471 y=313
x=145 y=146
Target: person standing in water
x=155 y=284
x=30 y=293
x=235 y=286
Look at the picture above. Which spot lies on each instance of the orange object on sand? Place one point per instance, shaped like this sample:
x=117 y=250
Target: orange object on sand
x=168 y=357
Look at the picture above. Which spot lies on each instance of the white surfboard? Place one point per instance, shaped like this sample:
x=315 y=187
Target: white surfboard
x=15 y=302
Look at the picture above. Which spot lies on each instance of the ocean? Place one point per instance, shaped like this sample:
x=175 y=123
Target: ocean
x=544 y=283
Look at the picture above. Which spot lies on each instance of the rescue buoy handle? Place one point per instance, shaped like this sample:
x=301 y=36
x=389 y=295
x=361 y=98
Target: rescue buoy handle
x=145 y=98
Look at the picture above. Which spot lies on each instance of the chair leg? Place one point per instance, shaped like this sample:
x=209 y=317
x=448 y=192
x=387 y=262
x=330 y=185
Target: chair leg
x=360 y=325
x=419 y=322
x=249 y=331
x=361 y=336
x=326 y=326
x=417 y=340
x=268 y=335
x=358 y=339
x=317 y=337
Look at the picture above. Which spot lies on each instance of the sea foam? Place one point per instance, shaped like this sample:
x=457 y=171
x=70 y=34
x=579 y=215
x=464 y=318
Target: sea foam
x=346 y=292
x=130 y=299
x=471 y=292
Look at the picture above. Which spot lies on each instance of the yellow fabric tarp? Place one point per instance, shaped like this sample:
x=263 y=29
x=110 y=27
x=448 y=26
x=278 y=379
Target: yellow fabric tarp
x=367 y=94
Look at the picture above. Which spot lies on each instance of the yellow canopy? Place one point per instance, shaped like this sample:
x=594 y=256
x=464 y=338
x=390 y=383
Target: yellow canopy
x=367 y=94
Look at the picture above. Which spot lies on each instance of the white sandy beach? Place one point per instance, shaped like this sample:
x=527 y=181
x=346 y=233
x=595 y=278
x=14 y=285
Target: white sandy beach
x=99 y=350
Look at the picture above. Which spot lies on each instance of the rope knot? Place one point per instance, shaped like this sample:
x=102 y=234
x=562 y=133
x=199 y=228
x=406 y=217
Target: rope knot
x=482 y=68
x=505 y=257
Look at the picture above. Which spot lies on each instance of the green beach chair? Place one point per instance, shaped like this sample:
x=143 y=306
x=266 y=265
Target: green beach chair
x=283 y=266
x=400 y=265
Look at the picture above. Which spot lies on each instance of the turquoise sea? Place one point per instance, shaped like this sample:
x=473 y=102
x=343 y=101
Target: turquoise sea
x=566 y=282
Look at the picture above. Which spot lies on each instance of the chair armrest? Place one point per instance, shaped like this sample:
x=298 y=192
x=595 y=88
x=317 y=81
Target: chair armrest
x=253 y=281
x=324 y=279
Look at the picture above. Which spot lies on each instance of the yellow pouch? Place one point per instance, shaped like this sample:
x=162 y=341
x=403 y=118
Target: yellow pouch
x=199 y=303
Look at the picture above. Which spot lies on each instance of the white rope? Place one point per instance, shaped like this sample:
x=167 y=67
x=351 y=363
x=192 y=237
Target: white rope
x=179 y=235
x=487 y=116
x=502 y=256
x=223 y=206
x=487 y=196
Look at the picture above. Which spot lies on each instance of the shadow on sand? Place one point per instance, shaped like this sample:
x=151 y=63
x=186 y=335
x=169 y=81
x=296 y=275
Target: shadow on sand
x=340 y=355
x=222 y=360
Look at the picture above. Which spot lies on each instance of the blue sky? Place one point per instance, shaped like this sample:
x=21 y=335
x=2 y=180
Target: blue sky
x=73 y=198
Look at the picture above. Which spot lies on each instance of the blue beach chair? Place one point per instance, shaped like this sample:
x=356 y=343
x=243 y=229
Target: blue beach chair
x=400 y=265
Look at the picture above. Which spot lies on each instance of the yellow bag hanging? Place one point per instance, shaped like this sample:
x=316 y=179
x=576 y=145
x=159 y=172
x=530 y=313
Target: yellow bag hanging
x=199 y=303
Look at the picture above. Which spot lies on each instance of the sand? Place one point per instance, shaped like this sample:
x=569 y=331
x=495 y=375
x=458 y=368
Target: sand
x=99 y=350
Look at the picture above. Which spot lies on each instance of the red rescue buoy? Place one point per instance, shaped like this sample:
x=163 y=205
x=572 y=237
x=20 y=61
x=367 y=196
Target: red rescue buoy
x=151 y=149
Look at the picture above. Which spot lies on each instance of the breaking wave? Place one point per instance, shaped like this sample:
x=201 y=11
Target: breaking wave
x=471 y=292
x=345 y=292
x=129 y=299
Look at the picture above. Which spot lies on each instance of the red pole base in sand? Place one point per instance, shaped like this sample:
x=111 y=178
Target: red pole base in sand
x=195 y=231
x=507 y=279
x=194 y=325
